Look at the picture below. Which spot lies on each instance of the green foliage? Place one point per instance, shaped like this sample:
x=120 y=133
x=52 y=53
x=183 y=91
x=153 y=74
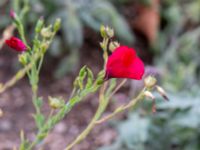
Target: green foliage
x=178 y=45
x=75 y=15
x=3 y=17
x=79 y=13
x=176 y=125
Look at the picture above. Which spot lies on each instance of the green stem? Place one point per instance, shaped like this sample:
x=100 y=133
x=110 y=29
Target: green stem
x=120 y=109
x=103 y=102
x=53 y=120
x=20 y=74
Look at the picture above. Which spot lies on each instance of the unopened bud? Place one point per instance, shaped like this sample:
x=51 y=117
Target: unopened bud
x=23 y=59
x=103 y=31
x=162 y=92
x=106 y=32
x=100 y=78
x=83 y=71
x=109 y=32
x=39 y=25
x=113 y=46
x=148 y=94
x=55 y=103
x=150 y=81
x=57 y=25
x=46 y=32
x=45 y=46
x=12 y=14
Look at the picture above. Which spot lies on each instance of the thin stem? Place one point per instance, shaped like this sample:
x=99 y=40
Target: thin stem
x=19 y=75
x=50 y=114
x=117 y=88
x=120 y=109
x=103 y=102
x=40 y=64
x=60 y=115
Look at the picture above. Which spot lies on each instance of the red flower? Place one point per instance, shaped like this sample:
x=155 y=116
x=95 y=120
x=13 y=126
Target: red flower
x=124 y=63
x=16 y=44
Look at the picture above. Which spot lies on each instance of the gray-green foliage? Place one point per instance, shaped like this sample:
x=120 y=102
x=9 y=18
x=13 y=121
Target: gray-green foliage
x=179 y=45
x=92 y=13
x=75 y=15
x=3 y=17
x=176 y=125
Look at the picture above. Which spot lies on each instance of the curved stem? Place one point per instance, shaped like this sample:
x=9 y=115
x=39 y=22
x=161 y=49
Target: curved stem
x=120 y=109
x=117 y=88
x=103 y=102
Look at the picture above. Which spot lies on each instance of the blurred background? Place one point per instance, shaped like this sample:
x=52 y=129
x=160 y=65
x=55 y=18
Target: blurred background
x=166 y=35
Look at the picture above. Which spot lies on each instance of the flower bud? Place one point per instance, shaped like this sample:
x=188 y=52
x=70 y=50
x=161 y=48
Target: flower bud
x=12 y=14
x=109 y=32
x=39 y=25
x=113 y=46
x=106 y=32
x=46 y=32
x=44 y=46
x=57 y=25
x=83 y=71
x=103 y=31
x=55 y=103
x=148 y=94
x=23 y=59
x=16 y=44
x=150 y=81
x=162 y=92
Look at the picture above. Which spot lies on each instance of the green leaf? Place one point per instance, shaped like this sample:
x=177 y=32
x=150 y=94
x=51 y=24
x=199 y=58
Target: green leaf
x=39 y=119
x=72 y=29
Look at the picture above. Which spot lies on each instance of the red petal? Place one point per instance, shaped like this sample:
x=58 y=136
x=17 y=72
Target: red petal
x=124 y=63
x=16 y=44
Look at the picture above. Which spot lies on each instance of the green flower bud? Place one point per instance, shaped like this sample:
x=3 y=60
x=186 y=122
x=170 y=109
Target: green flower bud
x=23 y=59
x=150 y=81
x=44 y=46
x=113 y=46
x=100 y=77
x=83 y=72
x=109 y=32
x=103 y=31
x=148 y=94
x=162 y=92
x=57 y=25
x=46 y=32
x=55 y=103
x=106 y=32
x=39 y=25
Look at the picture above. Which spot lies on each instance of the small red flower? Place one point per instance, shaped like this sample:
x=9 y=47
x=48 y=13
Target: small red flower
x=16 y=44
x=124 y=63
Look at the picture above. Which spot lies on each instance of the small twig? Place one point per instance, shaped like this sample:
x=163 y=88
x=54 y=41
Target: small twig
x=117 y=88
x=122 y=108
x=19 y=75
x=102 y=105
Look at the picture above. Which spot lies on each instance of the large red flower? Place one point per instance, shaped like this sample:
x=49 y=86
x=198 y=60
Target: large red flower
x=124 y=63
x=16 y=44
